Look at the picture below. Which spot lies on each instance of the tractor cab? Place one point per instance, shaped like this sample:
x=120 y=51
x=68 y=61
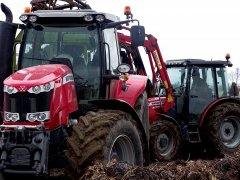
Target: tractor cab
x=197 y=84
x=84 y=40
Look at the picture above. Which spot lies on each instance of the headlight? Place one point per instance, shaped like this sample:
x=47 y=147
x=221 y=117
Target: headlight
x=31 y=117
x=47 y=87
x=100 y=18
x=88 y=18
x=10 y=89
x=11 y=116
x=33 y=18
x=42 y=88
x=39 y=116
x=68 y=78
x=23 y=17
x=36 y=89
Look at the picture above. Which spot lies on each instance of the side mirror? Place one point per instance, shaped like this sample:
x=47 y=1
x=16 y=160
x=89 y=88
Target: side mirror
x=137 y=35
x=234 y=89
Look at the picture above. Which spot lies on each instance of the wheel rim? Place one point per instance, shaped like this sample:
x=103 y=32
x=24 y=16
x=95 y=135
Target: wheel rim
x=164 y=143
x=122 y=150
x=230 y=131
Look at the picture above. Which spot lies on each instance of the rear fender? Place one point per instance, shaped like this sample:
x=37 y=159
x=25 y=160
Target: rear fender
x=135 y=86
x=213 y=105
x=169 y=118
x=121 y=105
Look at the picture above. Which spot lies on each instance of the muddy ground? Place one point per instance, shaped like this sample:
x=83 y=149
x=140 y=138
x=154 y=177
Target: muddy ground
x=227 y=168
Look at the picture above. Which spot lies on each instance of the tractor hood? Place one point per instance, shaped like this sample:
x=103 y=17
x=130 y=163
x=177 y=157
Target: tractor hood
x=36 y=75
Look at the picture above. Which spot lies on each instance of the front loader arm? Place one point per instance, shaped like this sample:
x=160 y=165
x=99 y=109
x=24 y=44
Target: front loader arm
x=156 y=61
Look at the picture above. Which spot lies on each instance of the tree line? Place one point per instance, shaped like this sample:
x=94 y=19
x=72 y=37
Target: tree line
x=234 y=76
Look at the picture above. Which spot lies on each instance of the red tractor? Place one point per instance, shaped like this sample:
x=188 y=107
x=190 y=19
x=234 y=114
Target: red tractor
x=71 y=100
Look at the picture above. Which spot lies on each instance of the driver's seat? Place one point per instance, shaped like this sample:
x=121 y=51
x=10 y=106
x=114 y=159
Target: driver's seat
x=62 y=60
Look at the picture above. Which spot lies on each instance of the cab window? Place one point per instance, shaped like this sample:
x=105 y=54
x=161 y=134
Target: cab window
x=111 y=45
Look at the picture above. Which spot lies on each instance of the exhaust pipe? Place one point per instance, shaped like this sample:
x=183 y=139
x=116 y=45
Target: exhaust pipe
x=7 y=12
x=7 y=38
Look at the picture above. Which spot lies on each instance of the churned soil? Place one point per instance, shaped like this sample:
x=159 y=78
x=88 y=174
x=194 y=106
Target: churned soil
x=227 y=168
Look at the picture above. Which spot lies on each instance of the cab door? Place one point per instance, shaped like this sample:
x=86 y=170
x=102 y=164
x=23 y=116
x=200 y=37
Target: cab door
x=204 y=94
x=178 y=77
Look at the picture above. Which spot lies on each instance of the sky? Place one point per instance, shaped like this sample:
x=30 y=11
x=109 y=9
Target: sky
x=200 y=29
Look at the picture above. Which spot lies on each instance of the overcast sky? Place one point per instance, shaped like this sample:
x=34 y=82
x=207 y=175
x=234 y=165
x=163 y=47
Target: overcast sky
x=206 y=29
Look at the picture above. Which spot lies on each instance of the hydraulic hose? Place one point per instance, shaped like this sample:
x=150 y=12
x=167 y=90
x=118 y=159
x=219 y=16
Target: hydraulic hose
x=84 y=5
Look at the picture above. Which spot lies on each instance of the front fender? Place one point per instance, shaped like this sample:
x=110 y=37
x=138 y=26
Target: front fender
x=136 y=84
x=115 y=104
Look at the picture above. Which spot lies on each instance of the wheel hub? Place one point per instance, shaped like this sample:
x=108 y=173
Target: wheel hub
x=164 y=143
x=230 y=132
x=227 y=131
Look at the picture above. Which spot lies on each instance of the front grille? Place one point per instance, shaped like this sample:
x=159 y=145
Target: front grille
x=24 y=103
x=20 y=157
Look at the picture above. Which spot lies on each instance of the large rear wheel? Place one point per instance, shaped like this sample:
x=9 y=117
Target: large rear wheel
x=221 y=130
x=103 y=136
x=165 y=141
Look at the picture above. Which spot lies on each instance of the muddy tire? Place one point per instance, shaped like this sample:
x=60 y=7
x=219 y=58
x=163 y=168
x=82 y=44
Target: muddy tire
x=221 y=131
x=103 y=136
x=141 y=107
x=165 y=140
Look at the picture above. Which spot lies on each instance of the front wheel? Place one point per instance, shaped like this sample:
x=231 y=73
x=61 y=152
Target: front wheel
x=104 y=135
x=165 y=140
x=222 y=130
x=141 y=107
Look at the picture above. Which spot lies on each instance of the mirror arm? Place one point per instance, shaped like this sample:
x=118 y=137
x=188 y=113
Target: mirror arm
x=115 y=24
x=21 y=26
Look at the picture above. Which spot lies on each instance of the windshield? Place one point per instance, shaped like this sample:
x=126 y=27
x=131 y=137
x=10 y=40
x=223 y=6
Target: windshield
x=76 y=44
x=44 y=43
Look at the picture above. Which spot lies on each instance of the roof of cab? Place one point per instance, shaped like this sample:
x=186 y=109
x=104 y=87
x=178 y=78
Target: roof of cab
x=197 y=62
x=71 y=14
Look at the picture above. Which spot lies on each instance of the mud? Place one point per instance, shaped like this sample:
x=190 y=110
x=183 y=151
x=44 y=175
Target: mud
x=204 y=169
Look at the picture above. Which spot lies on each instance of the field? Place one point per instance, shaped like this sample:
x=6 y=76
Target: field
x=197 y=169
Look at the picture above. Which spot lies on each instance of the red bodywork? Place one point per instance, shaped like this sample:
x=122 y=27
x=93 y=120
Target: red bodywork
x=136 y=85
x=63 y=98
x=154 y=106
